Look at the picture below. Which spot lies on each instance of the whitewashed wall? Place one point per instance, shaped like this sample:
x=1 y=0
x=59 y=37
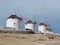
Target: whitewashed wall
x=42 y=28
x=14 y=23
x=29 y=26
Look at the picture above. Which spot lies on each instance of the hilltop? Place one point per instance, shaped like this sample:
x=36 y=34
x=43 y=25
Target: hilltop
x=29 y=39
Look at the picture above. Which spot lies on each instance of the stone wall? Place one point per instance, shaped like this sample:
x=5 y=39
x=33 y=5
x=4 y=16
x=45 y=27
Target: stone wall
x=19 y=31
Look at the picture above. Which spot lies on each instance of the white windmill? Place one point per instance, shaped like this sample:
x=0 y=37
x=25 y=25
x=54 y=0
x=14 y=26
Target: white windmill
x=13 y=21
x=29 y=25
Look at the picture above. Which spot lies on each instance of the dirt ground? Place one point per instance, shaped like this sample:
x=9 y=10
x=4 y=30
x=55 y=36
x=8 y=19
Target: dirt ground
x=24 y=39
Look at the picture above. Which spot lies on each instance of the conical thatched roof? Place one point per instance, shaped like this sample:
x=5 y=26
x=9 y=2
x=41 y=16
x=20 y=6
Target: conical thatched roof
x=42 y=24
x=13 y=16
x=29 y=21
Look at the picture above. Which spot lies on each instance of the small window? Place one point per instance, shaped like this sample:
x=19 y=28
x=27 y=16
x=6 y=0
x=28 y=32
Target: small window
x=14 y=23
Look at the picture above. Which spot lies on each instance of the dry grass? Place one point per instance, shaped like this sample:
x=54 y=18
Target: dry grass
x=28 y=39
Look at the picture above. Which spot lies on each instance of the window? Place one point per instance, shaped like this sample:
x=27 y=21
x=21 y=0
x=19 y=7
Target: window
x=14 y=23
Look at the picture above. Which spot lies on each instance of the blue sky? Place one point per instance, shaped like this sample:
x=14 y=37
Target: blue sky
x=47 y=11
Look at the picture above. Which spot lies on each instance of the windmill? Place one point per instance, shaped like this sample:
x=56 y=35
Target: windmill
x=23 y=20
x=35 y=22
x=48 y=25
x=20 y=14
x=34 y=19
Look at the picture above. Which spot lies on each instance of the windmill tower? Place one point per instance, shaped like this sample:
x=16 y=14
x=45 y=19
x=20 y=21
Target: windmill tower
x=29 y=25
x=13 y=21
x=42 y=28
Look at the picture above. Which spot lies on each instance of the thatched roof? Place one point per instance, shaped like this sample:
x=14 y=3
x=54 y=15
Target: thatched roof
x=42 y=24
x=29 y=21
x=13 y=16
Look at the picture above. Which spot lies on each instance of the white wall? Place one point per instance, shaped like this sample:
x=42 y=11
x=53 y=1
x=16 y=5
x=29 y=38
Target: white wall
x=42 y=28
x=14 y=23
x=29 y=26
